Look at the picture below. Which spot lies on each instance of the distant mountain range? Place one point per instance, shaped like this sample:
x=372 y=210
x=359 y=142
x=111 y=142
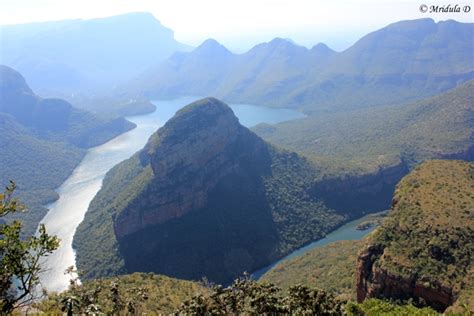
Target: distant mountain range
x=43 y=140
x=404 y=61
x=65 y=57
x=364 y=140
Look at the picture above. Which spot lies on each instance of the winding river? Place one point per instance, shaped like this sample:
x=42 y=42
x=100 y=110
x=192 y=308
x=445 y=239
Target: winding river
x=79 y=189
x=347 y=231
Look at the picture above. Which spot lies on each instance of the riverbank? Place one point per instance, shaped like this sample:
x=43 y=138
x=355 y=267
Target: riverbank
x=347 y=231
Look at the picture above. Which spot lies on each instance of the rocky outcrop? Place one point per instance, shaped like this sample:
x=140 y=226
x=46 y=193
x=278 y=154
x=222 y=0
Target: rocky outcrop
x=423 y=250
x=373 y=281
x=358 y=194
x=189 y=156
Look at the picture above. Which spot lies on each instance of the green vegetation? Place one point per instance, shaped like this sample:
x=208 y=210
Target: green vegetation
x=428 y=235
x=364 y=140
x=248 y=297
x=157 y=295
x=95 y=241
x=129 y=294
x=376 y=307
x=39 y=166
x=42 y=141
x=331 y=268
x=20 y=257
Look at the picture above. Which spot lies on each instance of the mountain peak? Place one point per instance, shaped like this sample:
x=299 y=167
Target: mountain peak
x=278 y=41
x=321 y=48
x=203 y=138
x=127 y=18
x=277 y=44
x=208 y=115
x=211 y=46
x=11 y=81
x=204 y=107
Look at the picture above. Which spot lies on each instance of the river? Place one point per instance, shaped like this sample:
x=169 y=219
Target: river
x=79 y=189
x=347 y=231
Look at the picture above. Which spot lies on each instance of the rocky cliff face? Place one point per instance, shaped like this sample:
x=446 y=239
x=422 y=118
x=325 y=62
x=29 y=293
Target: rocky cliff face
x=423 y=251
x=361 y=193
x=373 y=281
x=206 y=197
x=189 y=156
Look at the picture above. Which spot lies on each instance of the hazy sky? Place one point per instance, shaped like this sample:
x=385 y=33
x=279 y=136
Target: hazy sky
x=239 y=24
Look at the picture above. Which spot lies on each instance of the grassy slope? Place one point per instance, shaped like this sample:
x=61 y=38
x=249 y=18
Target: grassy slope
x=331 y=268
x=363 y=140
x=430 y=231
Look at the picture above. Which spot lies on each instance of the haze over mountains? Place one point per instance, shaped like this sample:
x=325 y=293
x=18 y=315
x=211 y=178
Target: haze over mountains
x=43 y=140
x=86 y=56
x=404 y=61
x=366 y=139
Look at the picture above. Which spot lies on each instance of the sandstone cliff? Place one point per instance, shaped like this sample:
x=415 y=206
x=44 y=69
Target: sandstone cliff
x=424 y=249
x=189 y=156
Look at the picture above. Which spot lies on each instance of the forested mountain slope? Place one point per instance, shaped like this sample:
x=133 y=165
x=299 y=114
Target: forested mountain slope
x=43 y=140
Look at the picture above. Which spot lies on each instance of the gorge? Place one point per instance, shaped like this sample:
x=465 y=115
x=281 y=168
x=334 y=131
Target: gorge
x=79 y=189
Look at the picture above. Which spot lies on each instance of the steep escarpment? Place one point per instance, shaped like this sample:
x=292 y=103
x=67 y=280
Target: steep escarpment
x=206 y=197
x=358 y=194
x=188 y=157
x=424 y=250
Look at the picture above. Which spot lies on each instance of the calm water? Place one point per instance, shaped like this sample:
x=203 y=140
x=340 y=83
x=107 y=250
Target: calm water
x=80 y=188
x=345 y=232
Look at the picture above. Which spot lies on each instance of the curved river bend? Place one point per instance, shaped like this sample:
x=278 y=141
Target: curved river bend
x=79 y=189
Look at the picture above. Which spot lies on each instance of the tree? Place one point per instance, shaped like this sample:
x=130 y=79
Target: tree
x=96 y=298
x=20 y=257
x=249 y=297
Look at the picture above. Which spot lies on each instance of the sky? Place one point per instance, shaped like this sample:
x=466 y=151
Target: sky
x=240 y=24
